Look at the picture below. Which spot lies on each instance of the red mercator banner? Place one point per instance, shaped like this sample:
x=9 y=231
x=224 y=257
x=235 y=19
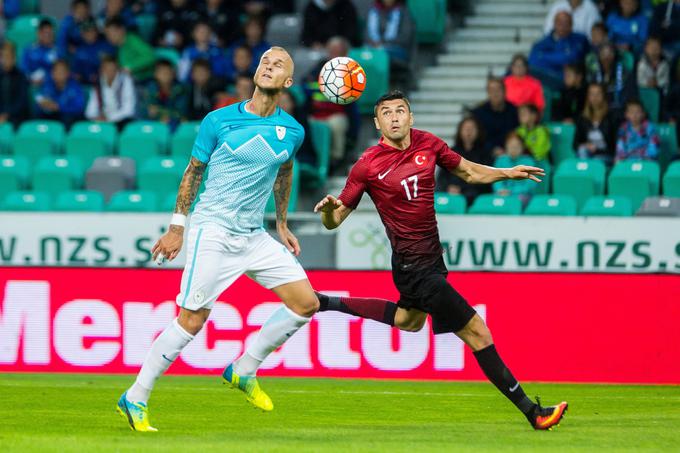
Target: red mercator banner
x=548 y=327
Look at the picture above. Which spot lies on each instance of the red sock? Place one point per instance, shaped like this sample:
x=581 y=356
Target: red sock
x=380 y=310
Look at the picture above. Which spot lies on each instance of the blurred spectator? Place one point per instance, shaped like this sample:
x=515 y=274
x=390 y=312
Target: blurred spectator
x=202 y=48
x=38 y=59
x=88 y=54
x=242 y=90
x=515 y=154
x=596 y=127
x=253 y=30
x=520 y=87
x=469 y=143
x=496 y=116
x=61 y=97
x=557 y=49
x=143 y=6
x=13 y=88
x=572 y=97
x=134 y=54
x=583 y=12
x=666 y=24
x=113 y=97
x=637 y=137
x=240 y=60
x=204 y=90
x=672 y=101
x=265 y=8
x=389 y=25
x=116 y=9
x=175 y=21
x=223 y=17
x=289 y=105
x=69 y=35
x=628 y=26
x=653 y=70
x=11 y=8
x=164 y=98
x=324 y=19
x=611 y=71
x=536 y=137
x=599 y=37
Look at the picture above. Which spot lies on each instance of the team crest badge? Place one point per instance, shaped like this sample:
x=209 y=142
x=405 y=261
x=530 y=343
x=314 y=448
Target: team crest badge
x=280 y=132
x=420 y=159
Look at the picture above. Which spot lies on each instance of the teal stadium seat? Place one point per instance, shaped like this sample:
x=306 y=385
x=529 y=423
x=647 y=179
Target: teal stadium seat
x=38 y=138
x=651 y=101
x=29 y=6
x=89 y=140
x=166 y=53
x=562 y=141
x=560 y=205
x=143 y=139
x=447 y=203
x=183 y=139
x=376 y=63
x=671 y=180
x=496 y=205
x=23 y=31
x=636 y=180
x=146 y=25
x=79 y=200
x=161 y=175
x=6 y=138
x=132 y=201
x=26 y=201
x=294 y=192
x=607 y=206
x=669 y=144
x=14 y=174
x=56 y=174
x=580 y=178
x=546 y=181
x=315 y=176
x=430 y=19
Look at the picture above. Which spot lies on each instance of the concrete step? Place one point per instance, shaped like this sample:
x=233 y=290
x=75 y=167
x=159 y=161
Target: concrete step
x=509 y=47
x=463 y=71
x=453 y=84
x=445 y=97
x=510 y=9
x=446 y=133
x=438 y=120
x=505 y=22
x=497 y=34
x=536 y=3
x=485 y=59
x=427 y=108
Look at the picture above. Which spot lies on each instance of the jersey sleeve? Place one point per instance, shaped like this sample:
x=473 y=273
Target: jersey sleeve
x=206 y=140
x=446 y=157
x=298 y=144
x=355 y=185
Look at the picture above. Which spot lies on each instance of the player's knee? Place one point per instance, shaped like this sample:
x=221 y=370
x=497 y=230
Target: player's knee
x=190 y=321
x=477 y=334
x=413 y=325
x=306 y=307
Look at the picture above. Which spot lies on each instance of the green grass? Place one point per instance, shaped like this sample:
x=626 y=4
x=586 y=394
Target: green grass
x=76 y=413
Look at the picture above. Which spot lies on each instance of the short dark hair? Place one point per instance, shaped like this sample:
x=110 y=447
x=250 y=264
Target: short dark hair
x=108 y=58
x=115 y=22
x=201 y=63
x=391 y=96
x=575 y=67
x=244 y=75
x=635 y=102
x=599 y=26
x=531 y=107
x=75 y=3
x=164 y=62
x=61 y=62
x=45 y=23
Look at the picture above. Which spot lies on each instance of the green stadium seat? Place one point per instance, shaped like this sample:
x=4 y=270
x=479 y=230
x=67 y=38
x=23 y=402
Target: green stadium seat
x=294 y=192
x=448 y=203
x=669 y=144
x=546 y=182
x=132 y=201
x=79 y=200
x=89 y=140
x=550 y=96
x=315 y=175
x=161 y=175
x=298 y=93
x=562 y=140
x=14 y=174
x=23 y=31
x=143 y=139
x=6 y=138
x=580 y=178
x=607 y=206
x=376 y=63
x=26 y=201
x=56 y=174
x=651 y=101
x=166 y=53
x=38 y=138
x=168 y=203
x=183 y=139
x=671 y=180
x=636 y=180
x=146 y=25
x=496 y=205
x=29 y=6
x=430 y=18
x=564 y=205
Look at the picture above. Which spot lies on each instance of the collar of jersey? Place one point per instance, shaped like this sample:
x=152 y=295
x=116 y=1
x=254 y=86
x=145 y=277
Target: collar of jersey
x=384 y=145
x=242 y=109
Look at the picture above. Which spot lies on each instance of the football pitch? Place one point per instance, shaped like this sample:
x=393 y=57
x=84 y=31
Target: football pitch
x=67 y=412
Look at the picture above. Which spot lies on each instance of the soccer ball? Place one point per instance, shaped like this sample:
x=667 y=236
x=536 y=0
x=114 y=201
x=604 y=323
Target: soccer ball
x=342 y=80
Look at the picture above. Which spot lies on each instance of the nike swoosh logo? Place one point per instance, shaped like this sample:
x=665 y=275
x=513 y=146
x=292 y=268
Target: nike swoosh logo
x=163 y=355
x=512 y=389
x=381 y=176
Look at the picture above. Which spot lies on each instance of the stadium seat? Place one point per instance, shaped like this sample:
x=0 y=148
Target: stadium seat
x=111 y=174
x=79 y=200
x=651 y=101
x=580 y=178
x=294 y=192
x=132 y=201
x=562 y=141
x=38 y=138
x=636 y=180
x=183 y=139
x=669 y=144
x=447 y=203
x=14 y=174
x=607 y=206
x=161 y=175
x=298 y=93
x=564 y=205
x=660 y=207
x=671 y=180
x=306 y=60
x=430 y=19
x=146 y=25
x=26 y=201
x=6 y=138
x=143 y=139
x=315 y=175
x=168 y=203
x=57 y=174
x=89 y=140
x=29 y=6
x=23 y=30
x=167 y=53
x=495 y=205
x=376 y=63
x=546 y=181
x=284 y=30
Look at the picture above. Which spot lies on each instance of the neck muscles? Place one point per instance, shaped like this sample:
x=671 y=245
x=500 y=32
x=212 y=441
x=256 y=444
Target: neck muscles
x=264 y=102
x=402 y=144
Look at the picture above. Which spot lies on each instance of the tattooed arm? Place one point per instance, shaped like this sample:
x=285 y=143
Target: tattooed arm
x=282 y=186
x=170 y=243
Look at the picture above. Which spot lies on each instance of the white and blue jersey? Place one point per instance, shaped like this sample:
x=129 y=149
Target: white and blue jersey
x=244 y=152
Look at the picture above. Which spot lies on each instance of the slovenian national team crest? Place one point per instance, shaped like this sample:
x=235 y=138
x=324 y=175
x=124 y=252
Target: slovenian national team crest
x=280 y=132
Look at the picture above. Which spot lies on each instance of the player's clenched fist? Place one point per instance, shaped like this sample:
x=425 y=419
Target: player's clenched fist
x=328 y=204
x=169 y=245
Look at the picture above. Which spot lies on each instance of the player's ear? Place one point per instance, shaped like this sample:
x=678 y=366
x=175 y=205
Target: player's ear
x=410 y=118
x=377 y=124
x=288 y=83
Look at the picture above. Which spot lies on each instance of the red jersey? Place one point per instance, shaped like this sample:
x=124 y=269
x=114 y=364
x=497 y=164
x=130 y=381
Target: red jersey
x=401 y=184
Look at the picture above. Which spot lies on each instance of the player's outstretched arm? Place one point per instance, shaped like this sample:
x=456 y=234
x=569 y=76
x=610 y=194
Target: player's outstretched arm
x=282 y=187
x=474 y=173
x=333 y=212
x=170 y=244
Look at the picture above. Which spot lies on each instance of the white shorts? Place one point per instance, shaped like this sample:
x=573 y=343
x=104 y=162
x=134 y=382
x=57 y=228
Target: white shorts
x=215 y=259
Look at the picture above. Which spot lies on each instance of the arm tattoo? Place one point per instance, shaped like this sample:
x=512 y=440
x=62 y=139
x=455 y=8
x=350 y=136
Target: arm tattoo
x=188 y=188
x=282 y=187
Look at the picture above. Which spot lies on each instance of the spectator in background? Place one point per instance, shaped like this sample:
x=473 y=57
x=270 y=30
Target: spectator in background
x=113 y=98
x=253 y=31
x=628 y=26
x=240 y=60
x=653 y=70
x=596 y=128
x=143 y=6
x=324 y=19
x=203 y=48
x=61 y=97
x=390 y=26
x=289 y=105
x=572 y=97
x=38 y=59
x=11 y=8
x=13 y=88
x=583 y=12
x=520 y=87
x=164 y=98
x=672 y=102
x=610 y=70
x=176 y=19
x=87 y=56
x=599 y=37
x=558 y=48
x=243 y=89
x=496 y=116
x=116 y=9
x=536 y=137
x=637 y=137
x=223 y=18
x=204 y=91
x=134 y=54
x=69 y=35
x=666 y=24
x=515 y=154
x=469 y=143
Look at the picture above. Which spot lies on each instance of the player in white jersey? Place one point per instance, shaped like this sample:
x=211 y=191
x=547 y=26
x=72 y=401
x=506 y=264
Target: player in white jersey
x=246 y=148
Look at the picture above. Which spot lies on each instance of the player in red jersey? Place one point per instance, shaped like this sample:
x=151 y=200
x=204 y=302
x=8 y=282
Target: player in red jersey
x=399 y=176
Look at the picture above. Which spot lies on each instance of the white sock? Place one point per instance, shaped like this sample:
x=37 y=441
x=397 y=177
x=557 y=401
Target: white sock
x=163 y=352
x=280 y=326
